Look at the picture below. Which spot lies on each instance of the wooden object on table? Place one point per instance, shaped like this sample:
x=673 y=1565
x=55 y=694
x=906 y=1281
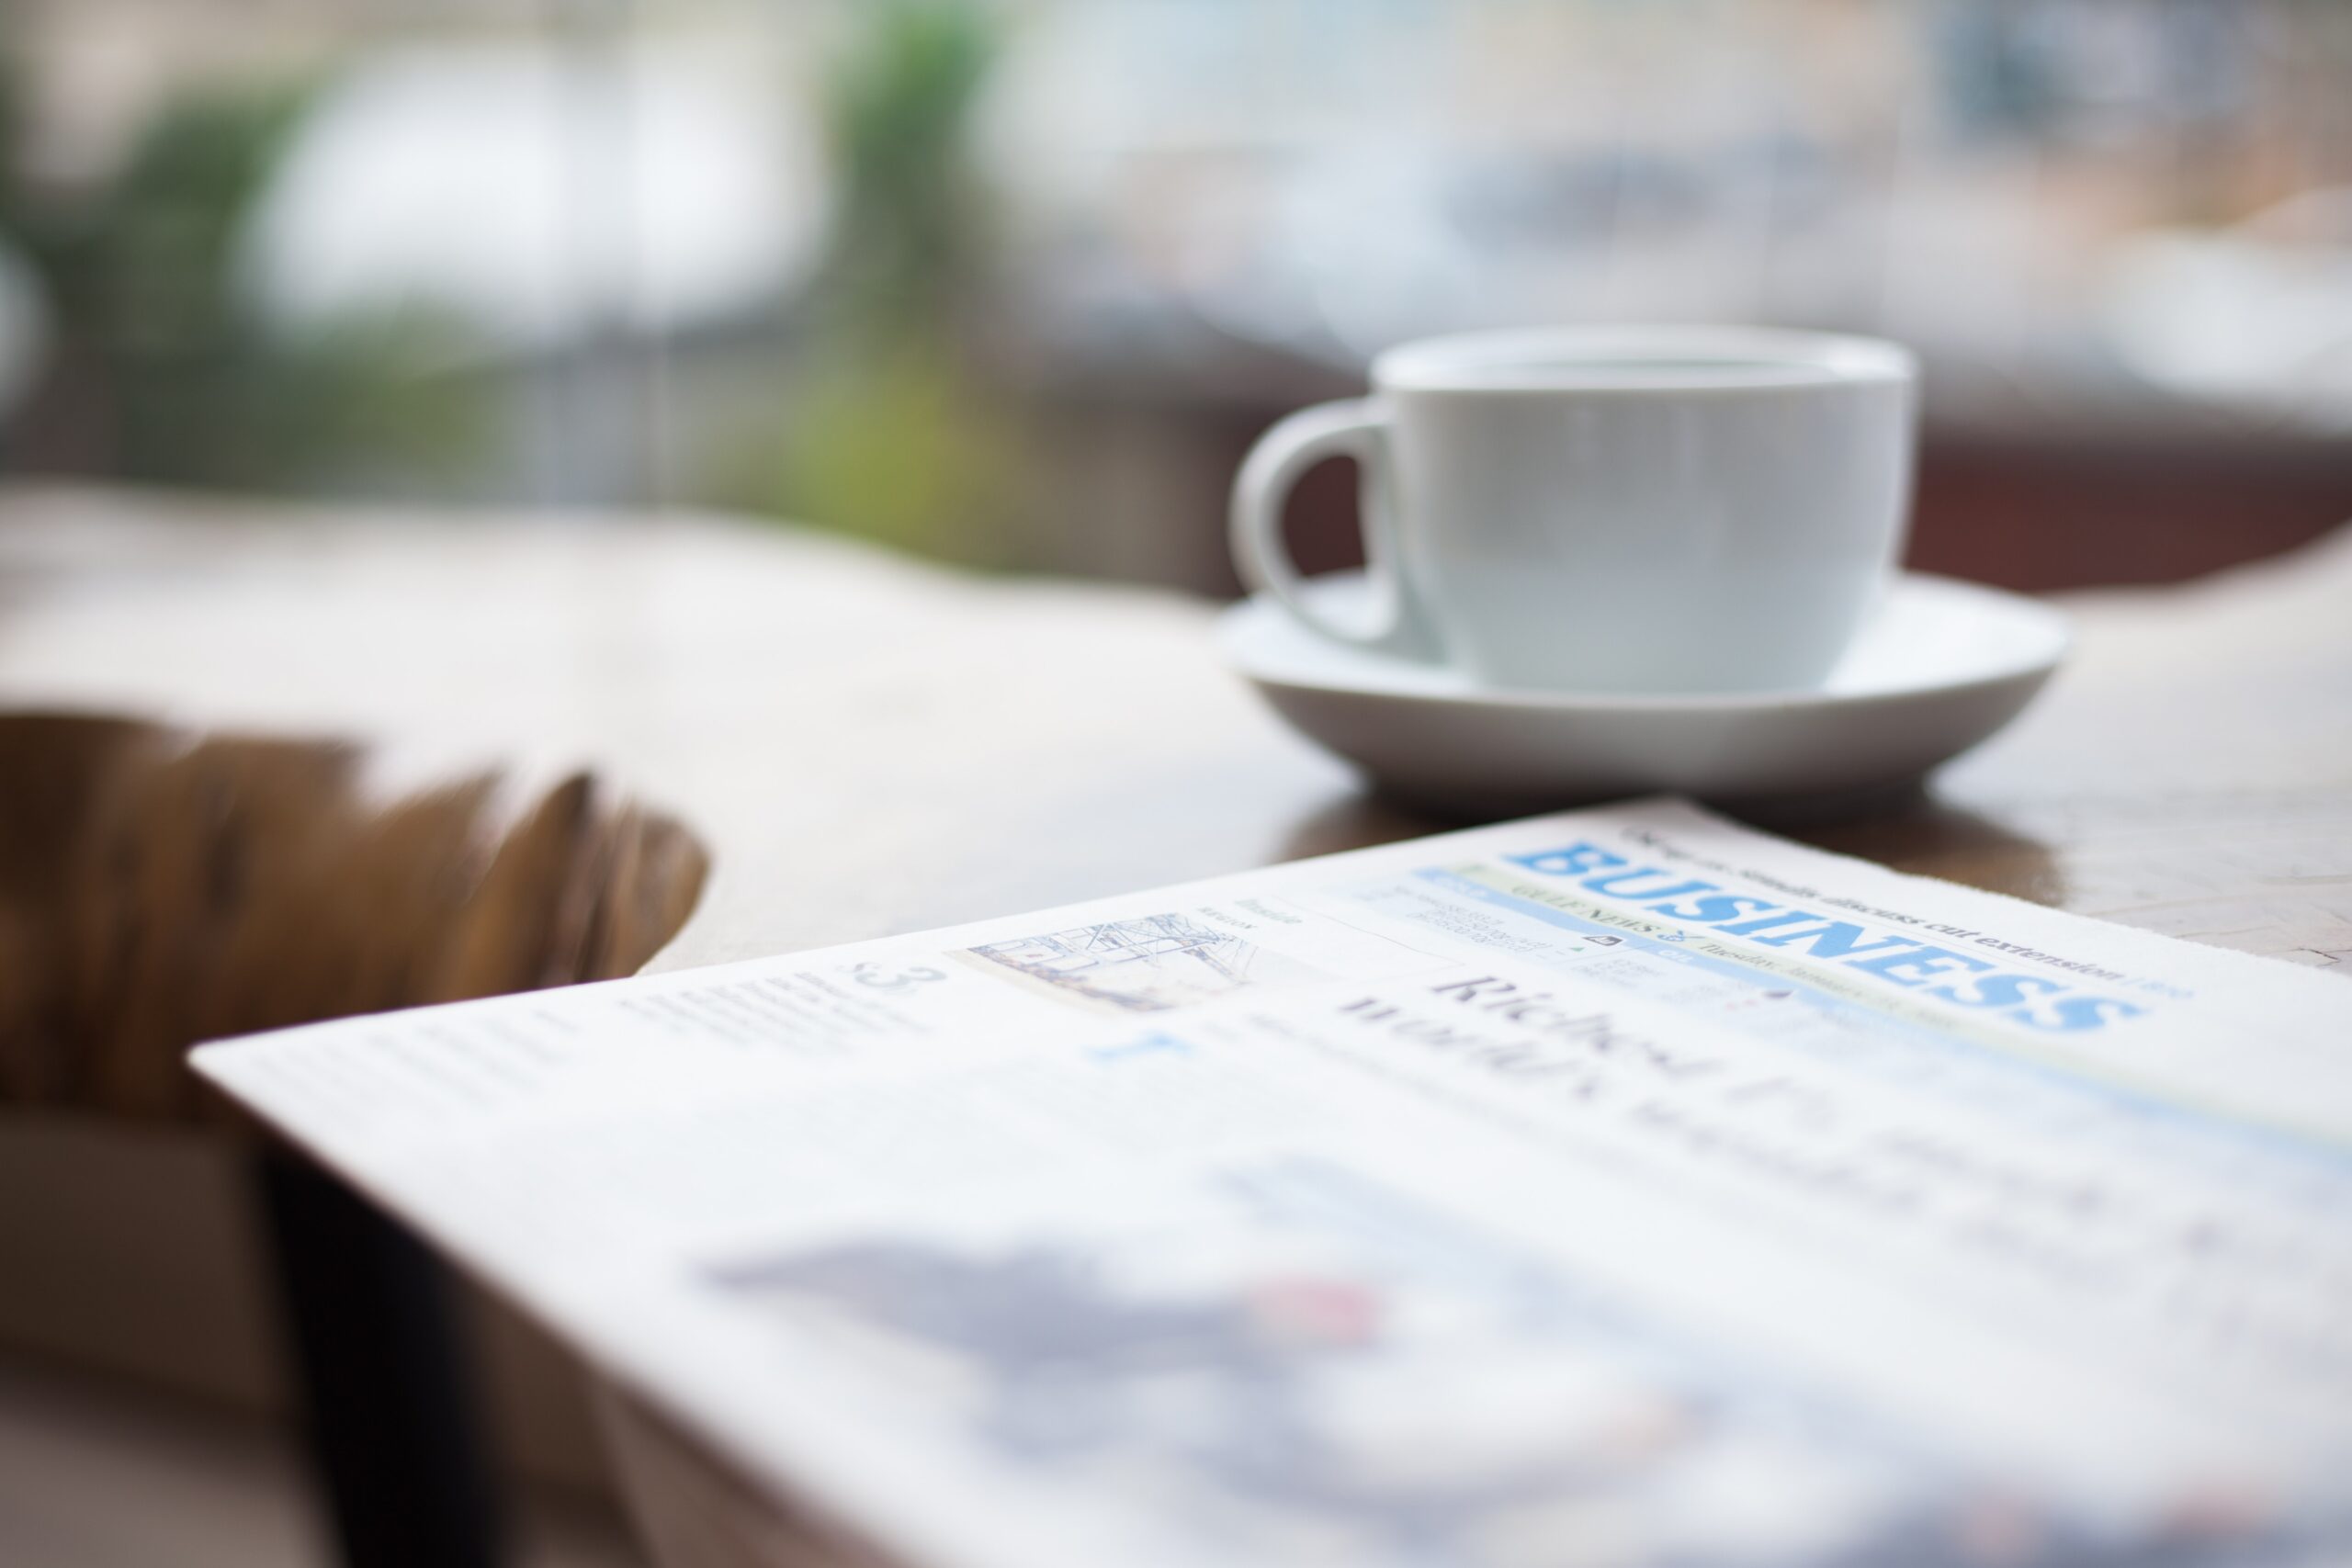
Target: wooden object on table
x=159 y=888
x=868 y=746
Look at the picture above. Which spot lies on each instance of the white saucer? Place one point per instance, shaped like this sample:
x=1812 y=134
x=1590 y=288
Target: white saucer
x=1940 y=667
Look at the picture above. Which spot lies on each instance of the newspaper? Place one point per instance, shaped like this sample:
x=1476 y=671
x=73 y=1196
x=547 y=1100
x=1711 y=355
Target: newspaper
x=1619 y=1185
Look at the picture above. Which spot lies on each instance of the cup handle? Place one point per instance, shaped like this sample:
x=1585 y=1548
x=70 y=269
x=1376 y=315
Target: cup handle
x=1356 y=428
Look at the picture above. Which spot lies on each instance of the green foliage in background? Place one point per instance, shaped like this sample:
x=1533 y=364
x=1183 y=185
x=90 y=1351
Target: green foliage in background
x=894 y=443
x=889 y=434
x=899 y=117
x=160 y=369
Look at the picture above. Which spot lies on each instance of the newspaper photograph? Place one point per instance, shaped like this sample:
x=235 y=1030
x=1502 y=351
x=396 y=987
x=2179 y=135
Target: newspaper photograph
x=1614 y=1186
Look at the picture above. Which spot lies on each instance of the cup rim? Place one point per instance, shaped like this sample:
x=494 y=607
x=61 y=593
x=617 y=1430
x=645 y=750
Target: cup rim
x=1544 y=359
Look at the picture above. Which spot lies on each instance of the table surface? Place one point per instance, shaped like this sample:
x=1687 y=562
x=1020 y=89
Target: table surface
x=867 y=746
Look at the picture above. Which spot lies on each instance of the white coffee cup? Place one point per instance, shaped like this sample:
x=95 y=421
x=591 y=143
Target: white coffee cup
x=1609 y=509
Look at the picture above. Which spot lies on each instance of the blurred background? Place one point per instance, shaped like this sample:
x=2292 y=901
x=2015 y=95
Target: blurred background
x=1014 y=282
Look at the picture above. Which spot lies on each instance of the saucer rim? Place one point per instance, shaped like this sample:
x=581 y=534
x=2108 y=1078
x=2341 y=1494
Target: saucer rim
x=2054 y=622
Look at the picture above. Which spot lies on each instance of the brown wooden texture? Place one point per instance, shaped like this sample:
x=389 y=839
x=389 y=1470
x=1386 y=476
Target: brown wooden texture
x=866 y=745
x=159 y=888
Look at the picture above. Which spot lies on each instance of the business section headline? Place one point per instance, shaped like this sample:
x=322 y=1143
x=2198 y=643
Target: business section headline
x=1937 y=970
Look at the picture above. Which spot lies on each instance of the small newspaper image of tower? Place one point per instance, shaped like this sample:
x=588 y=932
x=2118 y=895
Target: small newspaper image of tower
x=1142 y=965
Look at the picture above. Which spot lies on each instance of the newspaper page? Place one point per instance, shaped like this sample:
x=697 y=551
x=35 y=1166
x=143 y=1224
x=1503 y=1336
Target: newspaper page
x=1619 y=1185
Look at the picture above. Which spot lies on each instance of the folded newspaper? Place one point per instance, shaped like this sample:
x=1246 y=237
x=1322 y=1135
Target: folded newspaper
x=1620 y=1186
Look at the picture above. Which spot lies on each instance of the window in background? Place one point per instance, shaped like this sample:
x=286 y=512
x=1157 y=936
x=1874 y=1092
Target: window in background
x=1015 y=282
